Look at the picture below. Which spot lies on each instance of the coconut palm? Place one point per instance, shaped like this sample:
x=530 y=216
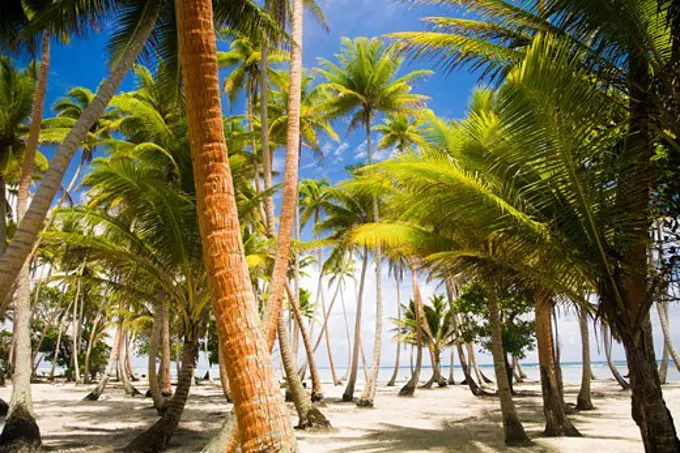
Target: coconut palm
x=401 y=132
x=366 y=83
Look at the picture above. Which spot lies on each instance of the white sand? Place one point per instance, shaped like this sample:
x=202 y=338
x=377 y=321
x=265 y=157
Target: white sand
x=437 y=420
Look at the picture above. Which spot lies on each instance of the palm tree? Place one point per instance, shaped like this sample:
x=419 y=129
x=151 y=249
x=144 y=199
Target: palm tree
x=397 y=270
x=402 y=132
x=265 y=426
x=364 y=84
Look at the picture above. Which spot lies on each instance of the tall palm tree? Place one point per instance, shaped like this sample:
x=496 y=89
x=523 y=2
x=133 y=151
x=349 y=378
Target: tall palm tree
x=401 y=131
x=366 y=83
x=264 y=426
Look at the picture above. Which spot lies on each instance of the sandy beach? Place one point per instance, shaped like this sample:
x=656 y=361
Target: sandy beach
x=438 y=420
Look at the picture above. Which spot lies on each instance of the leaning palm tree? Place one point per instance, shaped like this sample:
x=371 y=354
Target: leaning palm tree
x=365 y=83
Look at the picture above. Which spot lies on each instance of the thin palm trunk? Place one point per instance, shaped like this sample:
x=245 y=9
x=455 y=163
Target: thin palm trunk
x=348 y=394
x=583 y=401
x=607 y=340
x=156 y=438
x=130 y=389
x=514 y=431
x=473 y=364
x=41 y=339
x=395 y=372
x=558 y=355
x=206 y=353
x=32 y=222
x=90 y=344
x=317 y=389
x=410 y=388
x=110 y=366
x=667 y=337
x=451 y=380
x=347 y=332
x=159 y=402
x=128 y=357
x=3 y=227
x=368 y=396
x=166 y=386
x=75 y=343
x=264 y=122
x=224 y=380
x=61 y=328
x=556 y=421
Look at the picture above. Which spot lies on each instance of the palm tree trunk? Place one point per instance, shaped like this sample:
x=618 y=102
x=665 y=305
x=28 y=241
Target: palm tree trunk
x=110 y=366
x=21 y=428
x=395 y=372
x=409 y=388
x=166 y=386
x=128 y=357
x=75 y=349
x=3 y=228
x=159 y=402
x=558 y=355
x=258 y=404
x=58 y=344
x=451 y=367
x=290 y=184
x=27 y=232
x=665 y=328
x=557 y=422
x=130 y=389
x=583 y=401
x=43 y=333
x=264 y=122
x=473 y=364
x=206 y=353
x=90 y=343
x=348 y=394
x=349 y=337
x=607 y=340
x=317 y=389
x=156 y=438
x=368 y=395
x=514 y=431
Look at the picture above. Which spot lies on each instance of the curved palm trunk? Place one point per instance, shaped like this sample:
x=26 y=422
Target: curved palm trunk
x=58 y=344
x=3 y=230
x=258 y=404
x=159 y=402
x=665 y=328
x=264 y=122
x=348 y=394
x=583 y=401
x=166 y=386
x=27 y=232
x=473 y=364
x=43 y=334
x=607 y=340
x=349 y=336
x=75 y=349
x=130 y=389
x=317 y=390
x=409 y=388
x=21 y=430
x=395 y=372
x=368 y=395
x=514 y=431
x=128 y=357
x=156 y=438
x=110 y=366
x=557 y=422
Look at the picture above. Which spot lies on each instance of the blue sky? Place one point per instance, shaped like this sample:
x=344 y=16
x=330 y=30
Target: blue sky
x=84 y=63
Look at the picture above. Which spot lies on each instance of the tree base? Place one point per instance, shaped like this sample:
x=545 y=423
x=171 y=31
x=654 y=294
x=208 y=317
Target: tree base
x=21 y=433
x=365 y=402
x=390 y=384
x=316 y=397
x=4 y=408
x=556 y=430
x=289 y=396
x=153 y=440
x=92 y=396
x=408 y=390
x=314 y=419
x=451 y=381
x=347 y=397
x=515 y=436
x=584 y=404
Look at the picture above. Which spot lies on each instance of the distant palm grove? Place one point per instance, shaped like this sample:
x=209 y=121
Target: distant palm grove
x=176 y=238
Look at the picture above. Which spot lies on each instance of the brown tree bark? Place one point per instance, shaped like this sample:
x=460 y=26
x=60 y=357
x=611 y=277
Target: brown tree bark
x=409 y=389
x=583 y=401
x=166 y=386
x=264 y=425
x=395 y=372
x=348 y=394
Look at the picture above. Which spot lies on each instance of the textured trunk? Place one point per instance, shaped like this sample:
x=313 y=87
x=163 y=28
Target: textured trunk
x=667 y=337
x=90 y=343
x=451 y=380
x=3 y=229
x=58 y=344
x=166 y=386
x=583 y=401
x=224 y=380
x=556 y=421
x=368 y=395
x=128 y=357
x=264 y=122
x=347 y=332
x=558 y=355
x=473 y=364
x=258 y=404
x=607 y=340
x=410 y=388
x=159 y=402
x=514 y=431
x=395 y=372
x=27 y=232
x=348 y=394
x=317 y=389
x=206 y=354
x=110 y=366
x=75 y=343
x=648 y=406
x=290 y=184
x=665 y=356
x=156 y=438
x=43 y=333
x=327 y=335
